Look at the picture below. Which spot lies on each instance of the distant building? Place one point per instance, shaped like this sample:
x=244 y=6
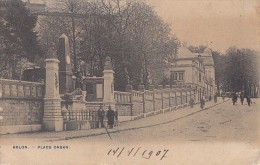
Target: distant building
x=194 y=69
x=36 y=7
x=35 y=74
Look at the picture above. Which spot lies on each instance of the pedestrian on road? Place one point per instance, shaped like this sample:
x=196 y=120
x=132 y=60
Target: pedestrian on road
x=101 y=115
x=223 y=97
x=242 y=98
x=215 y=98
x=234 y=98
x=248 y=99
x=191 y=103
x=110 y=117
x=202 y=103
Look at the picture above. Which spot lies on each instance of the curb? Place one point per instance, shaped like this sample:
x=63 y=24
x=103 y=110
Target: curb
x=134 y=128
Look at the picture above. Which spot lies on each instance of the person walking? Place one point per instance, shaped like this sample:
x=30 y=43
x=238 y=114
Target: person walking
x=248 y=99
x=223 y=97
x=101 y=115
x=191 y=103
x=202 y=103
x=110 y=117
x=242 y=98
x=234 y=98
x=215 y=98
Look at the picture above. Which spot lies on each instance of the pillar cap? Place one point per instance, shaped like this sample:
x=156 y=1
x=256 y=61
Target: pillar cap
x=51 y=52
x=108 y=64
x=108 y=71
x=52 y=60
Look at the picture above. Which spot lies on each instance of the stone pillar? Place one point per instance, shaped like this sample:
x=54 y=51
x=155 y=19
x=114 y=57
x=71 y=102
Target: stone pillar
x=129 y=88
x=52 y=119
x=65 y=70
x=141 y=88
x=160 y=87
x=151 y=87
x=109 y=84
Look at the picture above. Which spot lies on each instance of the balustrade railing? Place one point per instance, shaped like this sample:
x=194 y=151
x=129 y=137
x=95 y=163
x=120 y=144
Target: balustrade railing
x=20 y=89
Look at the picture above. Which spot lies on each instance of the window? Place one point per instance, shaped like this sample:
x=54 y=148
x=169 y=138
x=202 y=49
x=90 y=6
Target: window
x=181 y=76
x=177 y=76
x=90 y=88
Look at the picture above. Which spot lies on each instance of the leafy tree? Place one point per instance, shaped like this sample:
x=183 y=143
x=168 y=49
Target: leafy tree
x=17 y=37
x=131 y=33
x=240 y=71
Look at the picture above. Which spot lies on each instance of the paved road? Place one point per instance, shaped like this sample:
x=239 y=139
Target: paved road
x=221 y=123
x=222 y=135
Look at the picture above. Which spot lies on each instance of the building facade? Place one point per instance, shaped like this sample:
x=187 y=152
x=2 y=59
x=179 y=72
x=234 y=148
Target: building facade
x=193 y=69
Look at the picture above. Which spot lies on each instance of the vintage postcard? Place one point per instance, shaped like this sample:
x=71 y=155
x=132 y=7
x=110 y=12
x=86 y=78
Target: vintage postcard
x=112 y=82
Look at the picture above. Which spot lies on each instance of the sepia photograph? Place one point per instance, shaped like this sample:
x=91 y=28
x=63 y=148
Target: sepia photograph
x=129 y=82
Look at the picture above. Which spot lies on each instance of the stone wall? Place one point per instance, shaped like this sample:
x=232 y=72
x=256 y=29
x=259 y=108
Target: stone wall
x=148 y=101
x=21 y=106
x=21 y=112
x=136 y=104
x=123 y=103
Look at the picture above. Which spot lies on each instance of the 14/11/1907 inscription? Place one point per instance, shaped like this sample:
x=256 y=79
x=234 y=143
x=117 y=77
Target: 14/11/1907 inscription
x=138 y=152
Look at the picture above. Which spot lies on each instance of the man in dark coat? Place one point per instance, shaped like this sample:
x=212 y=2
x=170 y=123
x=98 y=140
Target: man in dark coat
x=223 y=97
x=101 y=115
x=110 y=117
x=191 y=103
x=248 y=99
x=242 y=98
x=202 y=103
x=215 y=98
x=234 y=98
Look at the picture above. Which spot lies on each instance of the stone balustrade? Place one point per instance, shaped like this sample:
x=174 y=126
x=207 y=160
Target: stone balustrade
x=21 y=89
x=148 y=102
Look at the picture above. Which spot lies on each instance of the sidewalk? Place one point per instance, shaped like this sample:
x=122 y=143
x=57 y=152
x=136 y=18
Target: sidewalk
x=151 y=121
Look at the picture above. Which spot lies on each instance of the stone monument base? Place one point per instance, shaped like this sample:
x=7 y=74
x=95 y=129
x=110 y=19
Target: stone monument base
x=53 y=123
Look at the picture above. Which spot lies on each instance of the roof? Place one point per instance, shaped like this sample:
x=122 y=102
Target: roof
x=184 y=53
x=207 y=52
x=207 y=57
x=208 y=60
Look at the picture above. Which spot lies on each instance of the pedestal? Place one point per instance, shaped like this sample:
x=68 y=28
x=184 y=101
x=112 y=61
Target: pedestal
x=52 y=120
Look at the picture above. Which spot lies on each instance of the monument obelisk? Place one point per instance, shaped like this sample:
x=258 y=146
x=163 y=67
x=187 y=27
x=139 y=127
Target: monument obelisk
x=65 y=69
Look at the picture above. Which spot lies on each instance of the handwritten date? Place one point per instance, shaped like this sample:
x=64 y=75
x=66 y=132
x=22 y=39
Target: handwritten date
x=133 y=152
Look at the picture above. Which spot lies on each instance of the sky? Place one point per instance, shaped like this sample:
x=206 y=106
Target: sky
x=218 y=24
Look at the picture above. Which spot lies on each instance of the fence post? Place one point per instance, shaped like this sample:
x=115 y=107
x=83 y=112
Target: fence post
x=170 y=99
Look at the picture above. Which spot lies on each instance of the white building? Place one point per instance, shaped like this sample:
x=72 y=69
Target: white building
x=195 y=69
